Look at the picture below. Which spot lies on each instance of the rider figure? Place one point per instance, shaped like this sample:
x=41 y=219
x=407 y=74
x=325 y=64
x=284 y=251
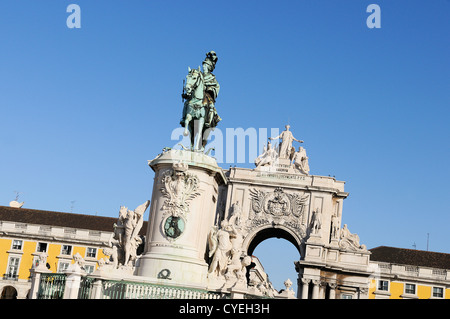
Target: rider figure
x=212 y=88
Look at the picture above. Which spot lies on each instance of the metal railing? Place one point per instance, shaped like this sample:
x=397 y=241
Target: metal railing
x=85 y=287
x=132 y=290
x=52 y=286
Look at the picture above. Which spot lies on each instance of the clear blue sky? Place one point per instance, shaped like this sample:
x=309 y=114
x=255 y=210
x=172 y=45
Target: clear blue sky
x=82 y=110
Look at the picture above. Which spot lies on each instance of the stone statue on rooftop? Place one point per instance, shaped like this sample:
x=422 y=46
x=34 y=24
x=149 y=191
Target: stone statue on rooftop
x=268 y=157
x=301 y=160
x=199 y=95
x=349 y=241
x=286 y=142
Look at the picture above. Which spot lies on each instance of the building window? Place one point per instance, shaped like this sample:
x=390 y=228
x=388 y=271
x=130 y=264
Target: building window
x=41 y=247
x=13 y=268
x=91 y=252
x=89 y=268
x=17 y=244
x=66 y=250
x=346 y=296
x=383 y=285
x=438 y=292
x=63 y=265
x=410 y=289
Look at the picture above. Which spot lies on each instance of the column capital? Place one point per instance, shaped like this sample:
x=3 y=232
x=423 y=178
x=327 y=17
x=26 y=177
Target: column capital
x=316 y=282
x=305 y=281
x=332 y=285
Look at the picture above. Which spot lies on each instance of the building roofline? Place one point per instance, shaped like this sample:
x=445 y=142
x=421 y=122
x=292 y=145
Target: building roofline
x=60 y=219
x=407 y=256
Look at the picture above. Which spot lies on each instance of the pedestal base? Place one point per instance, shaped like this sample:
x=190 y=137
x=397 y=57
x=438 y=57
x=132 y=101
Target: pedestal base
x=182 y=212
x=173 y=269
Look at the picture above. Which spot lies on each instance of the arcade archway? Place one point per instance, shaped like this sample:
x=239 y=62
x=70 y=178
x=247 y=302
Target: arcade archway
x=8 y=292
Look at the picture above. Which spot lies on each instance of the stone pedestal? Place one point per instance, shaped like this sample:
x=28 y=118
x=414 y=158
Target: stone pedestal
x=182 y=212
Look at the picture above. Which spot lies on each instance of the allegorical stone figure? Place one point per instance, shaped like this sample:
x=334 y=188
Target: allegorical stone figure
x=220 y=246
x=335 y=224
x=316 y=223
x=286 y=142
x=126 y=237
x=268 y=157
x=301 y=160
x=349 y=240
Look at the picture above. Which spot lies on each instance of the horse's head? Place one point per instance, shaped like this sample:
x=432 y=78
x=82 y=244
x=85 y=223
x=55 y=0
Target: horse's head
x=193 y=80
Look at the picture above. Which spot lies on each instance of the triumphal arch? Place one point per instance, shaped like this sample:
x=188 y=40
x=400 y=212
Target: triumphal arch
x=280 y=198
x=205 y=222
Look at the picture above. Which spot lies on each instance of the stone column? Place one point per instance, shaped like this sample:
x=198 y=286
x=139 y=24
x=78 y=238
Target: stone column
x=315 y=292
x=364 y=293
x=305 y=287
x=182 y=212
x=332 y=290
x=72 y=287
x=322 y=289
x=38 y=268
x=97 y=289
x=35 y=281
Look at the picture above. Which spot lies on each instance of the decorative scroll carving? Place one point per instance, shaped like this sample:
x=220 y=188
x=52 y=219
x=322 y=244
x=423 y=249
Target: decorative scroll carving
x=179 y=187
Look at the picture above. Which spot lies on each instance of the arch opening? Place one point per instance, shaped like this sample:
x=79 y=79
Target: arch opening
x=8 y=292
x=277 y=250
x=268 y=233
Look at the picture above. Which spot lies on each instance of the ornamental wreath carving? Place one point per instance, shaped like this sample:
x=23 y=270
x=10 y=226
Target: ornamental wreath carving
x=179 y=187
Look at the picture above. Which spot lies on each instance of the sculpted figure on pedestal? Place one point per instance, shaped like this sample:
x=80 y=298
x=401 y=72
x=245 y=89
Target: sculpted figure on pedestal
x=316 y=221
x=199 y=96
x=220 y=249
x=335 y=224
x=225 y=246
x=126 y=239
x=237 y=265
x=78 y=265
x=41 y=261
x=301 y=160
x=286 y=142
x=268 y=157
x=236 y=212
x=350 y=241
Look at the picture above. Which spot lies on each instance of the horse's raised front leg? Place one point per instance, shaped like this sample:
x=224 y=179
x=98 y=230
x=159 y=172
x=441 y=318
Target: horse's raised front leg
x=186 y=124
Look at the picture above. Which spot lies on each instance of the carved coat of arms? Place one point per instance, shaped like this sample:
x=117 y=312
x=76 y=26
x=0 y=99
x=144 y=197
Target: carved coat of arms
x=179 y=187
x=278 y=203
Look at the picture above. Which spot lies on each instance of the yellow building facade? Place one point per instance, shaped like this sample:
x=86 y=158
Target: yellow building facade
x=25 y=233
x=409 y=274
x=397 y=290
